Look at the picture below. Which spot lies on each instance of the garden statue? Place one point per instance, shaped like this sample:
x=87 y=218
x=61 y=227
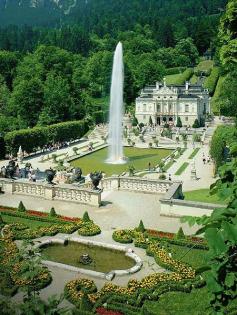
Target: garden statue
x=96 y=178
x=10 y=169
x=77 y=176
x=50 y=173
x=85 y=259
x=193 y=171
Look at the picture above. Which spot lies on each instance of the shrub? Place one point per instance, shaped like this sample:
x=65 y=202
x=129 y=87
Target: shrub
x=162 y=177
x=196 y=137
x=86 y=217
x=52 y=212
x=179 y=122
x=211 y=82
x=196 y=124
x=180 y=234
x=134 y=121
x=141 y=227
x=21 y=207
x=150 y=144
x=1 y=220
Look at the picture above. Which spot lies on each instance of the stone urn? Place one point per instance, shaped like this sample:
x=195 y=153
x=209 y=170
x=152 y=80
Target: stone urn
x=96 y=178
x=50 y=173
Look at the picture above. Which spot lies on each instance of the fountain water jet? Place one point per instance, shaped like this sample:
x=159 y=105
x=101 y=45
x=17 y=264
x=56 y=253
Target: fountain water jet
x=116 y=110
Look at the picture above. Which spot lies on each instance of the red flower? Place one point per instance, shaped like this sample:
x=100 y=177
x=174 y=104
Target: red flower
x=104 y=311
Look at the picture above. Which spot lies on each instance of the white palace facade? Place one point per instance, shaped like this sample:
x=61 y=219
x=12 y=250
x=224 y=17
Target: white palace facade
x=164 y=104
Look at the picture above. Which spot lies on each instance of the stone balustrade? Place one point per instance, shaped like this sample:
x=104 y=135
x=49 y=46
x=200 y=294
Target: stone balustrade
x=52 y=192
x=136 y=184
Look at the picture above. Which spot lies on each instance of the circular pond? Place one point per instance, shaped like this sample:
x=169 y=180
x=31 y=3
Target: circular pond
x=103 y=259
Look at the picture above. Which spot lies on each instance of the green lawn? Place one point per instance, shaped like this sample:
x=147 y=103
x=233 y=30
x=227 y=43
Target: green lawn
x=205 y=65
x=203 y=195
x=194 y=257
x=137 y=157
x=194 y=153
x=173 y=78
x=182 y=168
x=34 y=224
x=194 y=79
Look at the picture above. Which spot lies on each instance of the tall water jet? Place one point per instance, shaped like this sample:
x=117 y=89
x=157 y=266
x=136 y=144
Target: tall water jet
x=116 y=109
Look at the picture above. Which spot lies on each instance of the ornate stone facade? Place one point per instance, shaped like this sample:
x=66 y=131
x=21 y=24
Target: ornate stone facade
x=166 y=103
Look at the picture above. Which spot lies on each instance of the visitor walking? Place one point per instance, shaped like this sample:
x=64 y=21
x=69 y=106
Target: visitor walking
x=203 y=159
x=149 y=166
x=170 y=179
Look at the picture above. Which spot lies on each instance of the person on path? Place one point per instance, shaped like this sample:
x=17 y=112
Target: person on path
x=203 y=159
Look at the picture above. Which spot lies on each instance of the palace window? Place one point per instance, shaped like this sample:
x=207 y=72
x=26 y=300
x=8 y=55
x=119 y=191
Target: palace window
x=144 y=107
x=158 y=107
x=186 y=118
x=144 y=117
x=186 y=108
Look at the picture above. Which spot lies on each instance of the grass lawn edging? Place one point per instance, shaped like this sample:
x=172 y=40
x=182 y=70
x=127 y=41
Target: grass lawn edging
x=182 y=168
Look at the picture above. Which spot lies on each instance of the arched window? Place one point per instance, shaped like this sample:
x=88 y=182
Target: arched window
x=186 y=108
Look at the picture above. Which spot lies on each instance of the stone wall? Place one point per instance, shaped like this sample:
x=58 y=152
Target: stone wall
x=173 y=205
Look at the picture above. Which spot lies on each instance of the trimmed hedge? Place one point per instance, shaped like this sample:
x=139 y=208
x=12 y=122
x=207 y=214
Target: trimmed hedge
x=211 y=82
x=31 y=139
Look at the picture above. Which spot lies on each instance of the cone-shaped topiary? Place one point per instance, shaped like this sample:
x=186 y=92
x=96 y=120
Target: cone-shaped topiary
x=52 y=212
x=180 y=235
x=141 y=227
x=21 y=207
x=86 y=217
x=1 y=220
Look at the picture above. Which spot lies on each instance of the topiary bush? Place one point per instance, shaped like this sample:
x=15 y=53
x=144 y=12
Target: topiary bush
x=86 y=217
x=180 y=234
x=196 y=124
x=52 y=212
x=141 y=227
x=21 y=207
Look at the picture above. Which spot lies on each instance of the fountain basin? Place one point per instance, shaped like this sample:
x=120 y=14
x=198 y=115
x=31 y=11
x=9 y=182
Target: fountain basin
x=115 y=259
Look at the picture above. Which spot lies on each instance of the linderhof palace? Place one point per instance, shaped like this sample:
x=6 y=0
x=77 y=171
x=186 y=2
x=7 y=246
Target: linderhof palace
x=164 y=104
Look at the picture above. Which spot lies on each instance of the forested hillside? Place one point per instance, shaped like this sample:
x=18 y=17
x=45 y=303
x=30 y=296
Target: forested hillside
x=169 y=21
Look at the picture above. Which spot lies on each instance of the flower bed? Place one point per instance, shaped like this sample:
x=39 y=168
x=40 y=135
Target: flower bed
x=75 y=289
x=60 y=224
x=104 y=311
x=89 y=229
x=38 y=215
x=123 y=236
x=10 y=273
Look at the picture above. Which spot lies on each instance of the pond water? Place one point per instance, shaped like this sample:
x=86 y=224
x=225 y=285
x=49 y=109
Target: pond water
x=103 y=259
